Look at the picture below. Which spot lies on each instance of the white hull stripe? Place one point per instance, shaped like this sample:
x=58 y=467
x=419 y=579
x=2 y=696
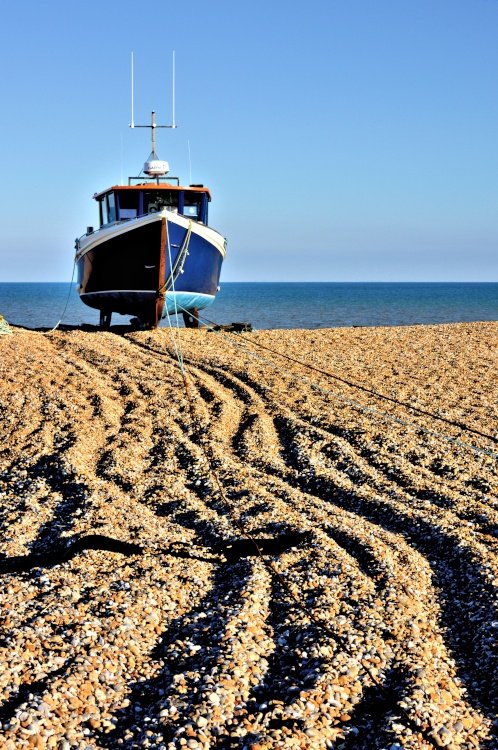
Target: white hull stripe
x=169 y=293
x=120 y=291
x=91 y=241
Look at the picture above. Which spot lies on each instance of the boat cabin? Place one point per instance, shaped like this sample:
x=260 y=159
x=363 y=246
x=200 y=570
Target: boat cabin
x=124 y=202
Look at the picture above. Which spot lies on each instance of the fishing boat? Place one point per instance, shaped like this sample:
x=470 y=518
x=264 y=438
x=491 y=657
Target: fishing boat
x=153 y=253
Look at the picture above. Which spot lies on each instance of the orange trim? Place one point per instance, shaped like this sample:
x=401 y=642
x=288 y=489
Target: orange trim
x=154 y=186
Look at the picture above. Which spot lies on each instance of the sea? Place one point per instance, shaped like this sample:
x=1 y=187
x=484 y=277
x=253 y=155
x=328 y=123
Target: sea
x=268 y=305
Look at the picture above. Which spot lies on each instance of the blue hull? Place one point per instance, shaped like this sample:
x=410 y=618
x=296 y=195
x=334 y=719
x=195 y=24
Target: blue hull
x=146 y=269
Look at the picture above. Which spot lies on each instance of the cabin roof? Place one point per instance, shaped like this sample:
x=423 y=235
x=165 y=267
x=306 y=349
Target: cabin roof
x=155 y=186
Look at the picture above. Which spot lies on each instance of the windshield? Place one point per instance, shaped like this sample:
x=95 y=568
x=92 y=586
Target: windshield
x=157 y=200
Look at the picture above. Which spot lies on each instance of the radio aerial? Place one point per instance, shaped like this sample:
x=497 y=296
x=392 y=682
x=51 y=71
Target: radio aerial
x=153 y=167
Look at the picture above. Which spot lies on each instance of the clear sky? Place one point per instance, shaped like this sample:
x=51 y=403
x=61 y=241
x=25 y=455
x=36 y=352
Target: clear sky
x=343 y=140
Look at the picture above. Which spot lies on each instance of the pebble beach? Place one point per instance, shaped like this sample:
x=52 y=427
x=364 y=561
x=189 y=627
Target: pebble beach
x=288 y=541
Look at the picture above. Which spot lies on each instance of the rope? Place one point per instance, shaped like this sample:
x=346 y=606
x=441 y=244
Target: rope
x=396 y=401
x=4 y=326
x=67 y=301
x=413 y=427
x=360 y=407
x=179 y=261
x=172 y=277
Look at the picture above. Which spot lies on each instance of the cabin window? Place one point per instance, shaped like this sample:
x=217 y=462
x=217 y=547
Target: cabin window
x=156 y=201
x=107 y=209
x=192 y=205
x=111 y=208
x=128 y=204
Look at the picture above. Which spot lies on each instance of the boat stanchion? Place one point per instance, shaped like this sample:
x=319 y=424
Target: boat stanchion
x=191 y=319
x=105 y=320
x=158 y=311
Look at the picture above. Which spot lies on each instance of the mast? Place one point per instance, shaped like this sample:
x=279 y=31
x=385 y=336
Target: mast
x=153 y=134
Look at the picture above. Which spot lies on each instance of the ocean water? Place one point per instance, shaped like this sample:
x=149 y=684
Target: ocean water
x=280 y=305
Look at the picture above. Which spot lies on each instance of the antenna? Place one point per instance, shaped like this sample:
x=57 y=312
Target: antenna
x=132 y=120
x=174 y=123
x=122 y=152
x=153 y=125
x=153 y=167
x=189 y=164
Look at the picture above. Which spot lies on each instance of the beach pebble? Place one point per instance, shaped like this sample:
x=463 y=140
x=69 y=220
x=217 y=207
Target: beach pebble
x=167 y=629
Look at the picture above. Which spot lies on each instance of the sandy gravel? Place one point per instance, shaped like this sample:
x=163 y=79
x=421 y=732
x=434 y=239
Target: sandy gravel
x=176 y=639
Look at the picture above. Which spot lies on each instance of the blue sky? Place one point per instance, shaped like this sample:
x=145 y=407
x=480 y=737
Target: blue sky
x=342 y=140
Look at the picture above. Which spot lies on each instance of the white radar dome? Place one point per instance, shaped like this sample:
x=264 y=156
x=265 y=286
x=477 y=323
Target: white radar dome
x=156 y=168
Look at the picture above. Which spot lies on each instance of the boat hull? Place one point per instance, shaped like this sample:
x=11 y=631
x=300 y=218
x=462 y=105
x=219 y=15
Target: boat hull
x=150 y=266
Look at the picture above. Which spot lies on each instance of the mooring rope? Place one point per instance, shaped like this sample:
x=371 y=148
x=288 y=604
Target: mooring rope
x=67 y=302
x=241 y=341
x=379 y=395
x=180 y=258
x=179 y=261
x=175 y=338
